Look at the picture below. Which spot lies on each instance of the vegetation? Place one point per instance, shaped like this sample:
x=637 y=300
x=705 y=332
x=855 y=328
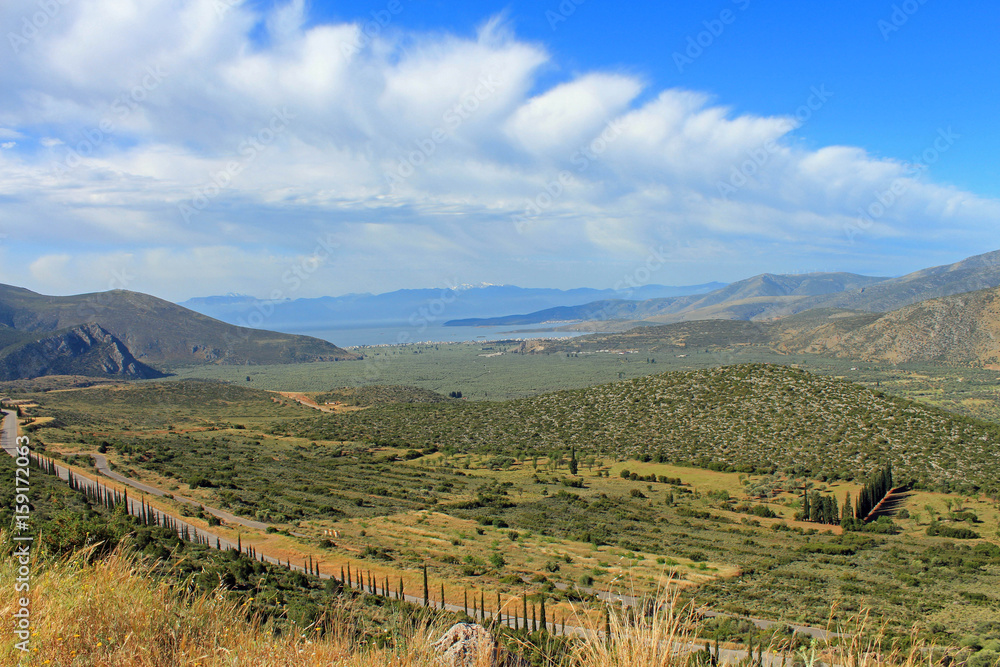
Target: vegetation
x=746 y=418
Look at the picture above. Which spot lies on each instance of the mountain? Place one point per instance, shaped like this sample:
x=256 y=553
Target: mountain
x=129 y=334
x=961 y=329
x=769 y=296
x=410 y=305
x=86 y=349
x=958 y=329
x=744 y=300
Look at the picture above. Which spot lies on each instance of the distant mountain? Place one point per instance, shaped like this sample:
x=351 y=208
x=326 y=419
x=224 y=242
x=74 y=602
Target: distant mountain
x=957 y=329
x=769 y=296
x=961 y=329
x=131 y=335
x=414 y=306
x=744 y=300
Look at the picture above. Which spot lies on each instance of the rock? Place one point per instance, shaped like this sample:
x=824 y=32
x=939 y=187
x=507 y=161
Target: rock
x=470 y=645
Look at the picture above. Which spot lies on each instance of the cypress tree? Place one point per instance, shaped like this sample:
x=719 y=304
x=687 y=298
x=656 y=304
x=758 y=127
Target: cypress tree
x=465 y=601
x=426 y=591
x=542 y=615
x=442 y=596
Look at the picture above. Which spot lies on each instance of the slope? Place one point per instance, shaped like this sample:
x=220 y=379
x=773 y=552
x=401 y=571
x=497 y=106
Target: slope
x=155 y=332
x=747 y=418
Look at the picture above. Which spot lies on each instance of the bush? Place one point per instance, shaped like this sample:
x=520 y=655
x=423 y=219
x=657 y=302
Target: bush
x=943 y=530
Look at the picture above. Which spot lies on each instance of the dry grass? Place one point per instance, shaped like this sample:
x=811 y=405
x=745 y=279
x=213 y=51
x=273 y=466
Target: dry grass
x=110 y=612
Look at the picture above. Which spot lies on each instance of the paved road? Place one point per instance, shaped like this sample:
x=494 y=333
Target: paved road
x=102 y=466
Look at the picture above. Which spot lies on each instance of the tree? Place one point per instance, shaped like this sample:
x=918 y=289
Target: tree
x=573 y=466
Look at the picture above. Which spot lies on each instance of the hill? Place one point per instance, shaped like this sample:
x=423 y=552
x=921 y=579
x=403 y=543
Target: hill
x=962 y=329
x=747 y=418
x=131 y=335
x=959 y=330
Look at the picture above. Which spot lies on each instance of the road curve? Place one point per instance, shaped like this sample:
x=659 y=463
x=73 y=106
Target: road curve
x=103 y=467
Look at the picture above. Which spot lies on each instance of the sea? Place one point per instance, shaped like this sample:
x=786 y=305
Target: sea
x=404 y=334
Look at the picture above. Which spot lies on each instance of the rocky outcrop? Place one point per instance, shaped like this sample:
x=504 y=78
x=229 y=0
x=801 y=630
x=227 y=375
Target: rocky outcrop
x=471 y=645
x=86 y=349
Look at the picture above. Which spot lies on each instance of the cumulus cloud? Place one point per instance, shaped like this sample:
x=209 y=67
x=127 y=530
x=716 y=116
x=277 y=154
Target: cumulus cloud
x=147 y=136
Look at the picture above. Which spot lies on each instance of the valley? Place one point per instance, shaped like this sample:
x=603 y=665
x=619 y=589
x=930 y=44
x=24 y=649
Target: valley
x=371 y=489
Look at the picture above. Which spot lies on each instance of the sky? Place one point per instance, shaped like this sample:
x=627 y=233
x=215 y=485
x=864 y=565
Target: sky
x=297 y=149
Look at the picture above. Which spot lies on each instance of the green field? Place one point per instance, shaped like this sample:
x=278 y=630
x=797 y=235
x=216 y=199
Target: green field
x=464 y=367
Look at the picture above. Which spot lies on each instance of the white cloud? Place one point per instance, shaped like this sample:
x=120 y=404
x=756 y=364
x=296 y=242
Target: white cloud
x=461 y=127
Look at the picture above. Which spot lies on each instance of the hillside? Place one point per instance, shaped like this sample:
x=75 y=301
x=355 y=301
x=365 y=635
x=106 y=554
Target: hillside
x=86 y=349
x=751 y=418
x=961 y=329
x=129 y=334
x=380 y=394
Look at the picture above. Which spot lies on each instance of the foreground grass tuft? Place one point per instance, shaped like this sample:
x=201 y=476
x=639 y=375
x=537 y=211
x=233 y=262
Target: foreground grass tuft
x=111 y=612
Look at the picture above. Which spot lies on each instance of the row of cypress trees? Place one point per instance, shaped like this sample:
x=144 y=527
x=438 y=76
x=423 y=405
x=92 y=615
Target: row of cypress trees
x=146 y=515
x=874 y=490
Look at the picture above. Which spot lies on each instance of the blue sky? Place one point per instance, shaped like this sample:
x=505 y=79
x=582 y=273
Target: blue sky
x=194 y=147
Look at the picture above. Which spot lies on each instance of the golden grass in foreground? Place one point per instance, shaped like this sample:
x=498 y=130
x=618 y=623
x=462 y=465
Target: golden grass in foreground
x=111 y=613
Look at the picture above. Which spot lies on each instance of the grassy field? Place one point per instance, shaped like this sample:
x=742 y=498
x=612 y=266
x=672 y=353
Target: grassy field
x=520 y=522
x=466 y=367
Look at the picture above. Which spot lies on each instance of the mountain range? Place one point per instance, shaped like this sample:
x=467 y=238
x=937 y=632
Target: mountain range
x=769 y=296
x=131 y=335
x=960 y=330
x=947 y=313
x=408 y=305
